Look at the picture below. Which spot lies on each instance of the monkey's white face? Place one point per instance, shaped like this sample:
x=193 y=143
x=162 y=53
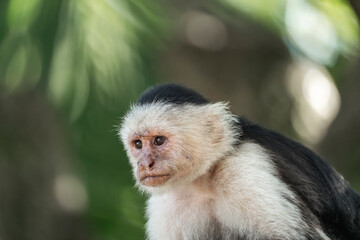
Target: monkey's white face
x=170 y=145
x=150 y=149
x=158 y=160
x=152 y=153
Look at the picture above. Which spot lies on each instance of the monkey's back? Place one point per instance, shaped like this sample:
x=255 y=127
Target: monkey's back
x=323 y=194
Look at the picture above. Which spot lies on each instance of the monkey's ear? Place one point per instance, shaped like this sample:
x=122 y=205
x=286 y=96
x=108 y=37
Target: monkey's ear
x=222 y=125
x=215 y=128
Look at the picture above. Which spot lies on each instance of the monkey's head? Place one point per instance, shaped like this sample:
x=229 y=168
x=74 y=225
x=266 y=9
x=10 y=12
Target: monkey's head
x=173 y=135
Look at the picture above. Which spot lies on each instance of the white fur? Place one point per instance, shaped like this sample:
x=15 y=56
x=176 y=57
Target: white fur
x=244 y=197
x=253 y=200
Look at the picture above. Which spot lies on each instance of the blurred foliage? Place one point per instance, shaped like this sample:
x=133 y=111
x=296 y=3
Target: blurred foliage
x=102 y=53
x=277 y=15
x=91 y=58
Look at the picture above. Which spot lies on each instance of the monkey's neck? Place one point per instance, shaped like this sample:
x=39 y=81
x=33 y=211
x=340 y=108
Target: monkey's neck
x=203 y=185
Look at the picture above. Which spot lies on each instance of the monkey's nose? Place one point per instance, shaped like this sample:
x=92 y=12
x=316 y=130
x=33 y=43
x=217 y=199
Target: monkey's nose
x=146 y=164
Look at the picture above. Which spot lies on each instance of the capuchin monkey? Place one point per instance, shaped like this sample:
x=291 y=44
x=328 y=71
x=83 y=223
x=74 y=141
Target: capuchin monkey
x=212 y=175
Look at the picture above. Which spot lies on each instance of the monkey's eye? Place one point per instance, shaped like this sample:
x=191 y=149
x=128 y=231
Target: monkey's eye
x=138 y=144
x=159 y=140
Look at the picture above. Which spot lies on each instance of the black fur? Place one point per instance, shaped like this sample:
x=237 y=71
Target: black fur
x=324 y=197
x=171 y=93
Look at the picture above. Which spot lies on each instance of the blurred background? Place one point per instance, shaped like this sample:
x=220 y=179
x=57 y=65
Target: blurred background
x=69 y=69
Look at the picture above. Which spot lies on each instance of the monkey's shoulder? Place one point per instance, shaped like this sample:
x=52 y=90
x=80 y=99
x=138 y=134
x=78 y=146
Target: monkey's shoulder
x=319 y=189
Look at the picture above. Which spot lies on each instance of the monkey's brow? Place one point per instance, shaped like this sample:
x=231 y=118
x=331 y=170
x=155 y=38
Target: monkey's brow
x=147 y=135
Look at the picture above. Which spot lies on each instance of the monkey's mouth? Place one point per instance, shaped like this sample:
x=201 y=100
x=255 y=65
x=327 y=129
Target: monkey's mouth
x=154 y=180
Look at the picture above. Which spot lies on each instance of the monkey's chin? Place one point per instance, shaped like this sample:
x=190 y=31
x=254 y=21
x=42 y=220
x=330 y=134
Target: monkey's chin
x=155 y=180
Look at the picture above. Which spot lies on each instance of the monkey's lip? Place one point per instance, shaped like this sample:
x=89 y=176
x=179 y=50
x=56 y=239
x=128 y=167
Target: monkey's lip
x=154 y=179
